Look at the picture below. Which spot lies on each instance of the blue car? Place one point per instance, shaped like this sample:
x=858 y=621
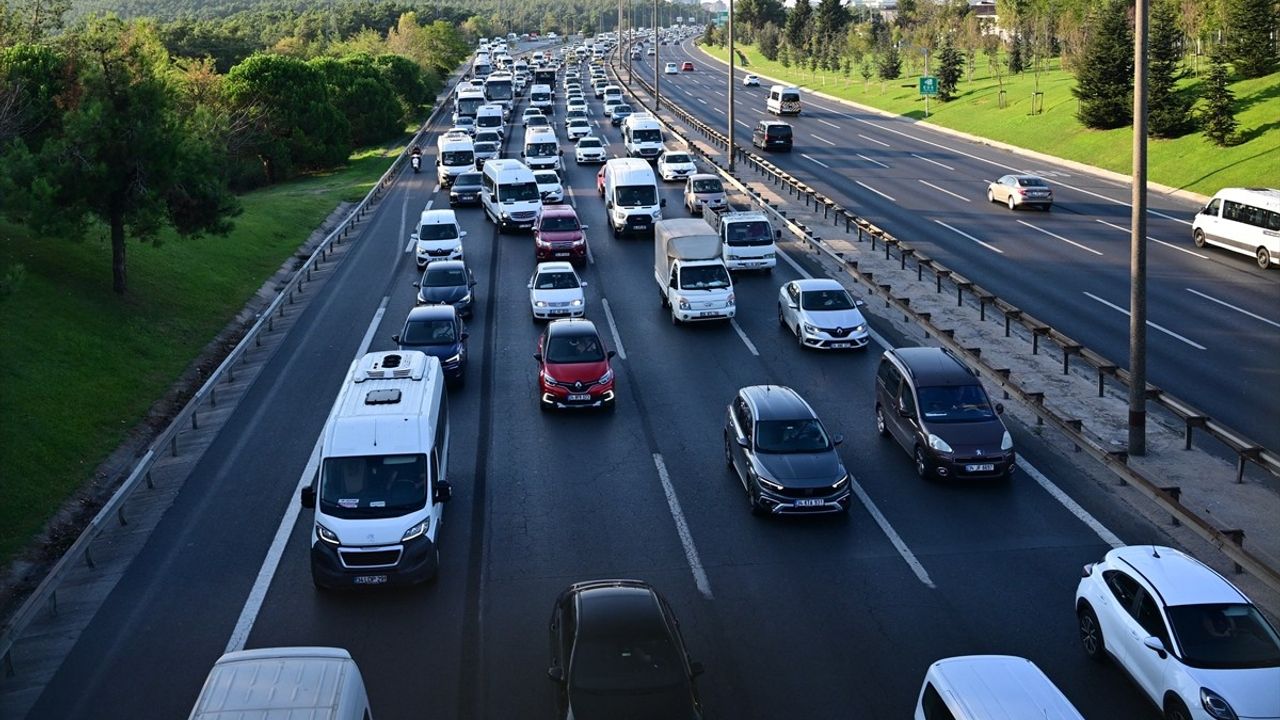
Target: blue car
x=437 y=331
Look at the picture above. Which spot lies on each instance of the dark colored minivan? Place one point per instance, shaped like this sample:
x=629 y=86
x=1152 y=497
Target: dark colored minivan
x=936 y=408
x=772 y=135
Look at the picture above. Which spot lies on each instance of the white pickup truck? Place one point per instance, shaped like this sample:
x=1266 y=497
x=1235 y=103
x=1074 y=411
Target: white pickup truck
x=747 y=238
x=692 y=278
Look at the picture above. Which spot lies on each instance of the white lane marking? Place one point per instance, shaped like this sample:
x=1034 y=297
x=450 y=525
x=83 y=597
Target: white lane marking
x=806 y=156
x=892 y=534
x=1055 y=235
x=965 y=234
x=829 y=124
x=746 y=340
x=1233 y=307
x=864 y=137
x=758 y=111
x=743 y=124
x=404 y=210
x=613 y=326
x=822 y=139
x=720 y=111
x=430 y=203
x=261 y=584
x=682 y=529
x=409 y=247
x=1072 y=506
x=1162 y=329
x=718 y=93
x=886 y=197
x=873 y=162
x=1123 y=229
x=935 y=162
x=794 y=265
x=704 y=102
x=436 y=189
x=944 y=190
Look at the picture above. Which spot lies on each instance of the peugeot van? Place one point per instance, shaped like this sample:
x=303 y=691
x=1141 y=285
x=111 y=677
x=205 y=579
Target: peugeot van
x=990 y=687
x=314 y=682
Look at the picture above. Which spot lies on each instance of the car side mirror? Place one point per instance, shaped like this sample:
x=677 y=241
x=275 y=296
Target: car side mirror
x=417 y=284
x=791 y=304
x=608 y=204
x=1156 y=645
x=837 y=440
x=556 y=673
x=562 y=151
x=777 y=235
x=696 y=669
x=413 y=237
x=466 y=334
x=471 y=282
x=462 y=234
x=395 y=339
x=444 y=491
x=999 y=408
x=859 y=303
x=538 y=357
x=582 y=227
x=744 y=442
x=662 y=202
x=530 y=285
x=611 y=354
x=308 y=497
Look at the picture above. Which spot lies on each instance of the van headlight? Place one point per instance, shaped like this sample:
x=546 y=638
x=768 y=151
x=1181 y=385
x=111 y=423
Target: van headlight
x=505 y=215
x=327 y=535
x=682 y=303
x=938 y=444
x=417 y=530
x=453 y=359
x=1006 y=442
x=465 y=299
x=657 y=214
x=540 y=303
x=576 y=302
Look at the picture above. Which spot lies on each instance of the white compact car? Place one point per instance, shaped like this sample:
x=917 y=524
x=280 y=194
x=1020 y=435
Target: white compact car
x=577 y=104
x=1197 y=647
x=589 y=150
x=549 y=186
x=556 y=292
x=822 y=314
x=577 y=128
x=671 y=69
x=676 y=165
x=528 y=113
x=751 y=81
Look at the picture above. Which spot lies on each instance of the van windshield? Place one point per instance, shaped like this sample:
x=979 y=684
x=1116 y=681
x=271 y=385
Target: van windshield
x=519 y=192
x=704 y=277
x=375 y=486
x=635 y=195
x=647 y=135
x=438 y=231
x=752 y=232
x=488 y=121
x=955 y=404
x=457 y=157
x=540 y=150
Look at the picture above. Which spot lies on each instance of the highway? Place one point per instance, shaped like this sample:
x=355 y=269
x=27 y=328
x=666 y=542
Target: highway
x=1213 y=331
x=812 y=618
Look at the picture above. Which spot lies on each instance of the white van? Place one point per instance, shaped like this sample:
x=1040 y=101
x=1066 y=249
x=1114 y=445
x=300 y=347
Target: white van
x=1243 y=220
x=612 y=91
x=509 y=194
x=990 y=687
x=783 y=100
x=467 y=101
x=490 y=117
x=540 y=97
x=455 y=154
x=642 y=136
x=631 y=196
x=438 y=237
x=314 y=682
x=380 y=489
x=541 y=149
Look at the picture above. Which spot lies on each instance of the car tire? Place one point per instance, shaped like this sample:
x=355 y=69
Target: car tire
x=991 y=196
x=756 y=508
x=728 y=454
x=881 y=427
x=800 y=338
x=1175 y=709
x=1091 y=639
x=781 y=319
x=319 y=585
x=544 y=406
x=1264 y=258
x=675 y=319
x=922 y=465
x=1197 y=237
x=1012 y=205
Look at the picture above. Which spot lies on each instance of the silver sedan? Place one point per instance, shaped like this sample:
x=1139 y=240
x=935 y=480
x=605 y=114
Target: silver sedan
x=1018 y=190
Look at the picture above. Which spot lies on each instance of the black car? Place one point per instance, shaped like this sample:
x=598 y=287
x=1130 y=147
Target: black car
x=617 y=654
x=446 y=282
x=620 y=113
x=776 y=446
x=466 y=189
x=437 y=331
x=772 y=135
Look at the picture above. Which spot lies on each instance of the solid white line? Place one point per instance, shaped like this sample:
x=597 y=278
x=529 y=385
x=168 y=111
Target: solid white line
x=1055 y=235
x=1233 y=307
x=404 y=210
x=261 y=584
x=409 y=247
x=746 y=340
x=892 y=534
x=822 y=139
x=794 y=265
x=613 y=326
x=944 y=190
x=965 y=234
x=1121 y=228
x=830 y=124
x=806 y=156
x=864 y=137
x=1072 y=506
x=873 y=162
x=682 y=529
x=1164 y=330
x=720 y=111
x=886 y=197
x=935 y=162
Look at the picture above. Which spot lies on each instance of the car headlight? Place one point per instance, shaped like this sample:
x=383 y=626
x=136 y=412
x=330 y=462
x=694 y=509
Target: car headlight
x=465 y=299
x=453 y=358
x=683 y=303
x=1215 y=705
x=769 y=483
x=417 y=530
x=860 y=328
x=327 y=535
x=606 y=377
x=576 y=302
x=732 y=298
x=810 y=328
x=938 y=444
x=1006 y=442
x=505 y=216
x=770 y=256
x=841 y=482
x=540 y=303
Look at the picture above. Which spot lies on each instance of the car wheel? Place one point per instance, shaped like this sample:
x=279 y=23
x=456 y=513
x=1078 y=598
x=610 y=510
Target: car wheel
x=800 y=337
x=991 y=196
x=728 y=454
x=1175 y=709
x=1012 y=206
x=1091 y=634
x=1198 y=238
x=922 y=467
x=675 y=319
x=1264 y=258
x=880 y=425
x=756 y=508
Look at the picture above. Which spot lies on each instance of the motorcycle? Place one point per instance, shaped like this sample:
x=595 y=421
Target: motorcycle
x=416 y=161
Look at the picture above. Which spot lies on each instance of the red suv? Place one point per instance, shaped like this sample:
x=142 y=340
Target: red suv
x=573 y=366
x=559 y=236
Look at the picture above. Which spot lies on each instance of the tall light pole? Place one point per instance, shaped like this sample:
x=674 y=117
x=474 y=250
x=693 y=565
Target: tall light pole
x=1138 y=241
x=657 y=71
x=732 y=148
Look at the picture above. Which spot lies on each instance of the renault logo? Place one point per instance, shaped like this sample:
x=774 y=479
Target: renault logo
x=839 y=331
x=979 y=451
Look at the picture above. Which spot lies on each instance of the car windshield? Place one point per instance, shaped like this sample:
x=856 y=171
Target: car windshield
x=377 y=486
x=429 y=332
x=636 y=195
x=559 y=223
x=520 y=192
x=437 y=276
x=438 y=231
x=467 y=180
x=538 y=120
x=704 y=277
x=826 y=300
x=751 y=232
x=589 y=142
x=574 y=349
x=457 y=157
x=677 y=158
x=625 y=662
x=488 y=136
x=955 y=403
x=558 y=280
x=1223 y=636
x=791 y=436
x=707 y=186
x=486 y=148
x=622 y=110
x=546 y=178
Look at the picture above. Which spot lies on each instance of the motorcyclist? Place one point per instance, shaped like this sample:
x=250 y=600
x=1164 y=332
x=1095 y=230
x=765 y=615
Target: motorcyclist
x=415 y=158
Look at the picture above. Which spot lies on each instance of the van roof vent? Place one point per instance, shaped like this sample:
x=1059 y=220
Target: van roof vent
x=388 y=396
x=391 y=366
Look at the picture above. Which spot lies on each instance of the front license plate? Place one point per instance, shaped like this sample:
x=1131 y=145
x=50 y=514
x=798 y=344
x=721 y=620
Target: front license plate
x=561 y=254
x=579 y=398
x=840 y=346
x=809 y=502
x=708 y=313
x=984 y=467
x=370 y=579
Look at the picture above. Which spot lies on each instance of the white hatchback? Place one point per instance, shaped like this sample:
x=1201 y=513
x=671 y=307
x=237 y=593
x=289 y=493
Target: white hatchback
x=555 y=291
x=589 y=150
x=549 y=186
x=671 y=69
x=578 y=128
x=676 y=165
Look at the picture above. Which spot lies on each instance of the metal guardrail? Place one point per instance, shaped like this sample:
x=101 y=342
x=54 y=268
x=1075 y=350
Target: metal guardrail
x=1230 y=541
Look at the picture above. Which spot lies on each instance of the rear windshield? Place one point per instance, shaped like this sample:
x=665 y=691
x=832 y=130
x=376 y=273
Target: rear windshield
x=778 y=131
x=467 y=180
x=955 y=403
x=707 y=186
x=1032 y=182
x=376 y=486
x=429 y=332
x=790 y=97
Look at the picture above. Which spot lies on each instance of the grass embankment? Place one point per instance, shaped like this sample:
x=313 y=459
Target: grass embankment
x=80 y=366
x=1190 y=162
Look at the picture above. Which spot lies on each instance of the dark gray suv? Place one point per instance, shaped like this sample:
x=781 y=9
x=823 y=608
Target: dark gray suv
x=935 y=407
x=778 y=449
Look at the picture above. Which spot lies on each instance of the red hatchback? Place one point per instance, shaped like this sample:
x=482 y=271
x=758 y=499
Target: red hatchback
x=559 y=236
x=687 y=67
x=573 y=367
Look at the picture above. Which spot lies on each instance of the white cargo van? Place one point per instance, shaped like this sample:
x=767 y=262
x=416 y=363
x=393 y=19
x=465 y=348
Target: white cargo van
x=541 y=149
x=490 y=117
x=380 y=490
x=692 y=279
x=631 y=196
x=467 y=101
x=1243 y=220
x=438 y=237
x=509 y=194
x=991 y=687
x=540 y=97
x=313 y=682
x=455 y=154
x=783 y=100
x=746 y=239
x=642 y=136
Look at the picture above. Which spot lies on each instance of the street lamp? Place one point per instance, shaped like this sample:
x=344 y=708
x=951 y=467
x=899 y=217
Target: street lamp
x=657 y=72
x=732 y=147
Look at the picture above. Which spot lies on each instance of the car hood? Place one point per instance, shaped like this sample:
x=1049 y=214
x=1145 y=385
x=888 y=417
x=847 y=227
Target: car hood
x=441 y=295
x=559 y=235
x=449 y=244
x=1253 y=692
x=831 y=319
x=446 y=350
x=802 y=469
x=673 y=704
x=967 y=438
x=577 y=372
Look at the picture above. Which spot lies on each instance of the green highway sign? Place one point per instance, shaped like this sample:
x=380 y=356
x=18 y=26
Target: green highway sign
x=928 y=85
x=722 y=18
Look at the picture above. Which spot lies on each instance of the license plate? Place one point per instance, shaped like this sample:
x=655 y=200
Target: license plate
x=562 y=254
x=809 y=502
x=579 y=398
x=984 y=467
x=708 y=313
x=840 y=346
x=370 y=579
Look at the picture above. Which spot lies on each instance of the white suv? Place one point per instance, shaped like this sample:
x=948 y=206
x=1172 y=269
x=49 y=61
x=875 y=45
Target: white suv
x=1188 y=637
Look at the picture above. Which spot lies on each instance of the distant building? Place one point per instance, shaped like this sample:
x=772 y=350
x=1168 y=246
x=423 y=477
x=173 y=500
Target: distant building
x=715 y=7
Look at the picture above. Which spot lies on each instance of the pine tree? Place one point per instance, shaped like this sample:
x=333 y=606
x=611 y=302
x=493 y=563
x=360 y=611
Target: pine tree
x=865 y=72
x=1168 y=110
x=1217 y=117
x=784 y=55
x=797 y=30
x=950 y=66
x=890 y=65
x=1251 y=45
x=1104 y=79
x=1017 y=53
x=767 y=41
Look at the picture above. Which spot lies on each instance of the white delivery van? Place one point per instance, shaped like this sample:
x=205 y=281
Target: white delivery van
x=380 y=490
x=1243 y=220
x=540 y=97
x=631 y=196
x=612 y=91
x=746 y=239
x=467 y=101
x=642 y=136
x=541 y=149
x=991 y=687
x=490 y=117
x=783 y=100
x=439 y=237
x=509 y=194
x=313 y=682
x=455 y=154
x=692 y=279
